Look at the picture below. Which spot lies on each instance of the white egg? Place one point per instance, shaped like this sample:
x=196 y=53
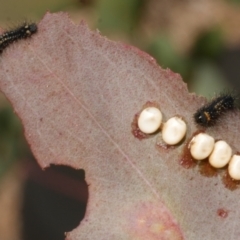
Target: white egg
x=234 y=167
x=220 y=155
x=174 y=130
x=201 y=146
x=150 y=120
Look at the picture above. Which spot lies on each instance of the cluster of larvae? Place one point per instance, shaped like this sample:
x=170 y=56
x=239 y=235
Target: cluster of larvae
x=201 y=146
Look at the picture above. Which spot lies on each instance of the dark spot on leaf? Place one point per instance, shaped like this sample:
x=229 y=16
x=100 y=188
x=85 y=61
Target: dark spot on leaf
x=223 y=213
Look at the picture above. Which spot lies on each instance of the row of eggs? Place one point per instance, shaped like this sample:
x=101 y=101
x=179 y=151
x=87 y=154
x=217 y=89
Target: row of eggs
x=202 y=145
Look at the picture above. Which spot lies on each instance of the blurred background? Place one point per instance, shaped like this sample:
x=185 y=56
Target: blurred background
x=198 y=39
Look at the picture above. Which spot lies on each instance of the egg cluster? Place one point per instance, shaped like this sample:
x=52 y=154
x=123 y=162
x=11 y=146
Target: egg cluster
x=150 y=121
x=201 y=147
x=219 y=153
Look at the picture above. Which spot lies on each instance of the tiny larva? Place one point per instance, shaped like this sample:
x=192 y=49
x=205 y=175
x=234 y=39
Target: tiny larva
x=208 y=115
x=23 y=31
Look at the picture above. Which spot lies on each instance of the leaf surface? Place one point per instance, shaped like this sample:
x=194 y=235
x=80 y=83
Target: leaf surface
x=77 y=94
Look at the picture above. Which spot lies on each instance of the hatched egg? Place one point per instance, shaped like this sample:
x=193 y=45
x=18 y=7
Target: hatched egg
x=220 y=155
x=174 y=130
x=234 y=167
x=150 y=120
x=201 y=146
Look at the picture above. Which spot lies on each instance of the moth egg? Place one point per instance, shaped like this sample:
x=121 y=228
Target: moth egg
x=201 y=146
x=234 y=167
x=149 y=120
x=174 y=130
x=220 y=155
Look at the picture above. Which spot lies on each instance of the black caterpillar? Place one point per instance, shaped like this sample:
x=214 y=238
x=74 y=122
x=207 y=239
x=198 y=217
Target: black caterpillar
x=208 y=115
x=21 y=32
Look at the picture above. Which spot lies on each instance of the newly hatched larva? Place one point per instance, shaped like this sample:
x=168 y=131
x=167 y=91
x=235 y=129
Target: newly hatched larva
x=207 y=115
x=23 y=31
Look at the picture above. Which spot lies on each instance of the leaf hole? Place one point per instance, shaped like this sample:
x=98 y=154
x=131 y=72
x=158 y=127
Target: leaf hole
x=54 y=202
